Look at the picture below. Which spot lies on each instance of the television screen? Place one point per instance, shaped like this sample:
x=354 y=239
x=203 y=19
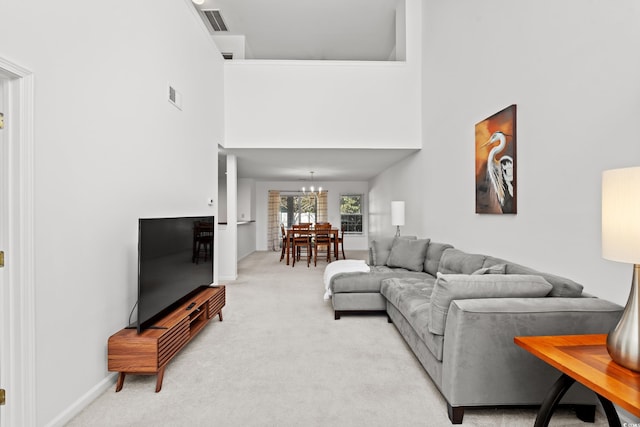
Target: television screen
x=175 y=258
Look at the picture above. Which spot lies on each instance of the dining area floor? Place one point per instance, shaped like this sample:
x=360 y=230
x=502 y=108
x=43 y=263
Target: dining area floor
x=322 y=263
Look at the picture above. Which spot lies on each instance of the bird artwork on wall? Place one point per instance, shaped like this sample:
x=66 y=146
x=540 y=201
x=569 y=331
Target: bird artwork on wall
x=495 y=140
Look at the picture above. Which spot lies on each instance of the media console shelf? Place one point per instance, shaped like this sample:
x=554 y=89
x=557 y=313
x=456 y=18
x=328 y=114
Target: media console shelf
x=149 y=352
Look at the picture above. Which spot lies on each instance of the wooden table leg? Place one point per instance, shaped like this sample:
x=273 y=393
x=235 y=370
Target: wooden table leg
x=556 y=393
x=610 y=411
x=159 y=379
x=288 y=247
x=120 y=382
x=220 y=315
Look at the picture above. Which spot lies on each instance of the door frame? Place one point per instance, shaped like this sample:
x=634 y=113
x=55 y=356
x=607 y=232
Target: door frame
x=17 y=329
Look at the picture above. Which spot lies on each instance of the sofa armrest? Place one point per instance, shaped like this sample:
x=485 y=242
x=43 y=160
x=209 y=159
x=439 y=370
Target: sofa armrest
x=483 y=366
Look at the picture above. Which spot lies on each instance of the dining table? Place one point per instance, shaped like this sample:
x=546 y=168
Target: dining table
x=333 y=232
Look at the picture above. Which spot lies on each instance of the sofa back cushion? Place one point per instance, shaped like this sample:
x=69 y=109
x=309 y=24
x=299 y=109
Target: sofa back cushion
x=381 y=248
x=562 y=287
x=455 y=261
x=449 y=287
x=434 y=254
x=409 y=254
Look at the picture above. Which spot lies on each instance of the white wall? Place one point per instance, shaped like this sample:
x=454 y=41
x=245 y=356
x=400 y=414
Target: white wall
x=231 y=43
x=335 y=189
x=222 y=199
x=326 y=104
x=109 y=149
x=246 y=239
x=570 y=68
x=228 y=233
x=246 y=199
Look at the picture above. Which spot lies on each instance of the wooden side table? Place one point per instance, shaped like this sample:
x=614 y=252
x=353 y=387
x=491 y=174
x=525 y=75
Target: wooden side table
x=584 y=358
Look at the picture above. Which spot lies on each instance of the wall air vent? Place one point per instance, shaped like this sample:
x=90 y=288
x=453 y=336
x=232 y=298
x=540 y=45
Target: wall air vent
x=175 y=97
x=227 y=55
x=215 y=19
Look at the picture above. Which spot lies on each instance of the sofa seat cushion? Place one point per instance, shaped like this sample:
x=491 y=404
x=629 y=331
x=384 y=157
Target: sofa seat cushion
x=387 y=269
x=450 y=287
x=412 y=297
x=370 y=282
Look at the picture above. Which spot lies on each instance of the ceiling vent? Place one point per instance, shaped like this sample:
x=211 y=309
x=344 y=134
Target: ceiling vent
x=215 y=19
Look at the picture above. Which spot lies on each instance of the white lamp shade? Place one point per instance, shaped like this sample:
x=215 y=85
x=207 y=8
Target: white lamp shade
x=621 y=215
x=397 y=213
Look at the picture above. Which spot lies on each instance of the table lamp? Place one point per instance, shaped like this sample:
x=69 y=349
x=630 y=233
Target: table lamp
x=397 y=215
x=621 y=242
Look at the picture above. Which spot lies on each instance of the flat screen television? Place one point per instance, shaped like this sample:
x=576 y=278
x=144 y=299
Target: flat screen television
x=175 y=259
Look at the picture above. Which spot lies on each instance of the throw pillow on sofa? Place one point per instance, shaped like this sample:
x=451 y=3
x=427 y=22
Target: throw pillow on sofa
x=494 y=269
x=408 y=254
x=451 y=287
x=381 y=248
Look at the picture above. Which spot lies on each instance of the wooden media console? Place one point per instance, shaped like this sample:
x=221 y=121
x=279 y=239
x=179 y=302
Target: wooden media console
x=149 y=352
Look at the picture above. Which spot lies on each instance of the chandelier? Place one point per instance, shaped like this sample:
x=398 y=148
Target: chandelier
x=312 y=190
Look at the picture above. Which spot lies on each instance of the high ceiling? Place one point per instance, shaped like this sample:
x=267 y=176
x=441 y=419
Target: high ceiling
x=360 y=30
x=311 y=29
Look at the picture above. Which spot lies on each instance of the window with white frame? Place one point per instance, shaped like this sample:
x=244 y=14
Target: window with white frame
x=351 y=213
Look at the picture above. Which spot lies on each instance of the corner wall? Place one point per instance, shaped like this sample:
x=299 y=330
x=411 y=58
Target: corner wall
x=570 y=68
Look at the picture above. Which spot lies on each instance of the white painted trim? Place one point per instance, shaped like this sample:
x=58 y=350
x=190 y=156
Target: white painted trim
x=21 y=381
x=84 y=401
x=5 y=303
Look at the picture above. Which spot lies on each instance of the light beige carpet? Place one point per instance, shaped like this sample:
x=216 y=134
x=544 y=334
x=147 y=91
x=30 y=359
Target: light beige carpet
x=279 y=359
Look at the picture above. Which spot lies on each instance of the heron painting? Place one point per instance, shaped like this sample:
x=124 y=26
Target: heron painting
x=496 y=189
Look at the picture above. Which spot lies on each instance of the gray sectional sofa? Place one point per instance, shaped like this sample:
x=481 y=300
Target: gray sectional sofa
x=459 y=313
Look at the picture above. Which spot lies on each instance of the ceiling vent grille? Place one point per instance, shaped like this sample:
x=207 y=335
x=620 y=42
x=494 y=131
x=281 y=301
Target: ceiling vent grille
x=215 y=19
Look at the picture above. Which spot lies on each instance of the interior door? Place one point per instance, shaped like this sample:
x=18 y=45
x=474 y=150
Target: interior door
x=4 y=291
x=17 y=278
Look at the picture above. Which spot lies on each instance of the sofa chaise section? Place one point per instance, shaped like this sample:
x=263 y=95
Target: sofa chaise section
x=357 y=293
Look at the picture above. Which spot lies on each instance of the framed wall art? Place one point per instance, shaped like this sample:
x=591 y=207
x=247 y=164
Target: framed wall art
x=496 y=163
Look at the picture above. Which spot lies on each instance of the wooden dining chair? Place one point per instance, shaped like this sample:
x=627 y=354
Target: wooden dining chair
x=301 y=240
x=285 y=245
x=322 y=239
x=340 y=243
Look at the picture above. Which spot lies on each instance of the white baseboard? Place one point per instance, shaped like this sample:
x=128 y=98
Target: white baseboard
x=77 y=407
